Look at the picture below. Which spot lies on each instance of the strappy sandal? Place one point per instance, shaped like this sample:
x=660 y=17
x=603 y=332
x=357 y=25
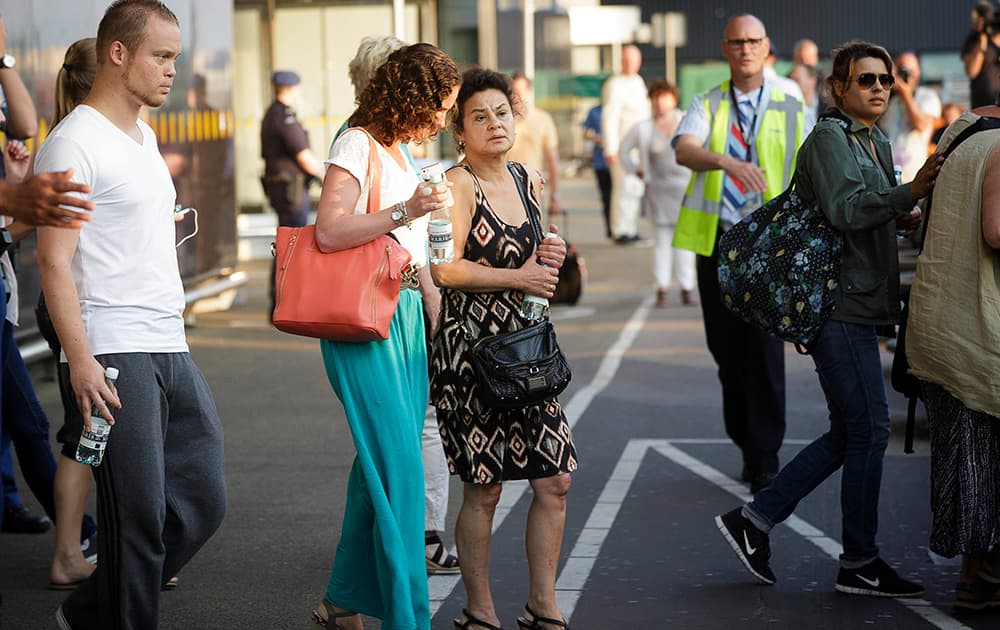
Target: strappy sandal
x=440 y=562
x=471 y=621
x=524 y=624
x=331 y=613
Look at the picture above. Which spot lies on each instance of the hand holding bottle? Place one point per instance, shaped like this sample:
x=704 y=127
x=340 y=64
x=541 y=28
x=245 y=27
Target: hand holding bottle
x=92 y=391
x=439 y=232
x=552 y=250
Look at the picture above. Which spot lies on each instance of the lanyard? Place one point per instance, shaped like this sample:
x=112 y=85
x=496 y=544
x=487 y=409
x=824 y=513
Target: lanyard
x=747 y=134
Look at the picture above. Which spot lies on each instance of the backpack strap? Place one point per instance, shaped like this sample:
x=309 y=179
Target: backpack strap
x=984 y=123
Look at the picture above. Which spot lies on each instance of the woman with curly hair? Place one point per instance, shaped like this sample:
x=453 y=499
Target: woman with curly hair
x=379 y=568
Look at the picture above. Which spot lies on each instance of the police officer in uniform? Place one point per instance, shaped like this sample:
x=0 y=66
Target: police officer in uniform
x=289 y=163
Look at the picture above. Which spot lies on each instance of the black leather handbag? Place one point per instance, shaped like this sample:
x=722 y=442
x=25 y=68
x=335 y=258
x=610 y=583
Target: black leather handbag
x=520 y=368
x=526 y=366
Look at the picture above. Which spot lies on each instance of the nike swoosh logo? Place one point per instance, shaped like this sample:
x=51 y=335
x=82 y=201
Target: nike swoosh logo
x=872 y=583
x=753 y=550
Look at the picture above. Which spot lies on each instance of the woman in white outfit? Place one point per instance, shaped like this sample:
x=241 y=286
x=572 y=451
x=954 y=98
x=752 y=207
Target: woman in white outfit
x=665 y=181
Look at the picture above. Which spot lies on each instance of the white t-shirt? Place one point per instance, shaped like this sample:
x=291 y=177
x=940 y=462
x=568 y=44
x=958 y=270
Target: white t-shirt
x=625 y=104
x=125 y=264
x=350 y=152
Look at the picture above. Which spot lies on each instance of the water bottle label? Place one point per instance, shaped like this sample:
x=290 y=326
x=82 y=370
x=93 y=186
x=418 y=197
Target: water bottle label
x=439 y=231
x=87 y=441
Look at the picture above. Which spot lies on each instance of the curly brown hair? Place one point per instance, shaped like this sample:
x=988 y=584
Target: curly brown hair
x=406 y=93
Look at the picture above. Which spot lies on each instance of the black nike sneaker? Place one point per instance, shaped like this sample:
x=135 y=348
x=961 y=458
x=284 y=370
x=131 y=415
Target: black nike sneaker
x=751 y=545
x=876 y=578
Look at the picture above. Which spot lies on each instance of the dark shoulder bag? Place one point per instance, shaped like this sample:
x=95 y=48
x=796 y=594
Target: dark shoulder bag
x=779 y=267
x=523 y=367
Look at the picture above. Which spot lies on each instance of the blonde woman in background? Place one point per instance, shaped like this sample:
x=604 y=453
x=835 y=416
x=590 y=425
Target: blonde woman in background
x=76 y=533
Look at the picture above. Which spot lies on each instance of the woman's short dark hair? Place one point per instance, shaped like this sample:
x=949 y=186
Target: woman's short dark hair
x=476 y=80
x=658 y=87
x=406 y=93
x=844 y=59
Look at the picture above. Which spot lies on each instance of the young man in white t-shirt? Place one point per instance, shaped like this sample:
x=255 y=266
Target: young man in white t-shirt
x=115 y=296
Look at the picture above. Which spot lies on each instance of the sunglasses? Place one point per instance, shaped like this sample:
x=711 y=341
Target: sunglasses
x=867 y=79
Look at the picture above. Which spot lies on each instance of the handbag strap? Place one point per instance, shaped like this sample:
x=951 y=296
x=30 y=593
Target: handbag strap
x=373 y=179
x=520 y=177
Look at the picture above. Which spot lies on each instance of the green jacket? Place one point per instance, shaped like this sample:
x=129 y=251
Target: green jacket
x=860 y=198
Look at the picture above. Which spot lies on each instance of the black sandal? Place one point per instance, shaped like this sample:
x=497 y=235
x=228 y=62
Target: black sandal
x=471 y=621
x=440 y=562
x=331 y=613
x=524 y=624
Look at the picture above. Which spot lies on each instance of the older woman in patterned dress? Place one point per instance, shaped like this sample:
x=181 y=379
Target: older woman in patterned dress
x=483 y=289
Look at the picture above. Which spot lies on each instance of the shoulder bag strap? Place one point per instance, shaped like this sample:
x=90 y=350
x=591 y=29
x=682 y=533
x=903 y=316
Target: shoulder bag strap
x=374 y=179
x=520 y=176
x=985 y=123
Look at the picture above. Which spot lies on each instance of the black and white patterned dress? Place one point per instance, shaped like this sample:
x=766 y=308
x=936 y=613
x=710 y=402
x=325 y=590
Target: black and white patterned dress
x=483 y=444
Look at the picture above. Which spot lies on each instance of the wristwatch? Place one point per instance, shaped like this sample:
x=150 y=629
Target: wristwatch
x=399 y=216
x=7 y=61
x=5 y=240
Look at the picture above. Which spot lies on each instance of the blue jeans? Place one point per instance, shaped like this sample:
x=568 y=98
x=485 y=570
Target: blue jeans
x=25 y=423
x=850 y=371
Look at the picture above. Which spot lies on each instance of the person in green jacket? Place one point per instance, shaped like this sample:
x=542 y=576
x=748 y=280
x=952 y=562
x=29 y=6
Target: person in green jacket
x=850 y=177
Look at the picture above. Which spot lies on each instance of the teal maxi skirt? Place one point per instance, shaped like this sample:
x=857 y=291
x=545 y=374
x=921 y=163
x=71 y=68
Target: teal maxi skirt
x=379 y=569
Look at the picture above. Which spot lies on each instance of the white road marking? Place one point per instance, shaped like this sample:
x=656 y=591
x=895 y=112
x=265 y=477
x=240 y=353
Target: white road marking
x=581 y=560
x=441 y=586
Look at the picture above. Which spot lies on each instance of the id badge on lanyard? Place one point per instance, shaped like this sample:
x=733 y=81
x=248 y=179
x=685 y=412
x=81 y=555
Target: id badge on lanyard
x=752 y=200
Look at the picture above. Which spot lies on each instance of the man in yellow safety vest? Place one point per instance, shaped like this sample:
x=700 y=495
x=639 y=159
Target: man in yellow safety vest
x=740 y=139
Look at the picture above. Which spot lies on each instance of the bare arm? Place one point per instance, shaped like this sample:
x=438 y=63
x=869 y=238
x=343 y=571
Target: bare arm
x=22 y=119
x=691 y=154
x=918 y=119
x=55 y=255
x=991 y=199
x=432 y=298
x=629 y=142
x=309 y=163
x=337 y=227
x=552 y=166
x=470 y=276
x=974 y=58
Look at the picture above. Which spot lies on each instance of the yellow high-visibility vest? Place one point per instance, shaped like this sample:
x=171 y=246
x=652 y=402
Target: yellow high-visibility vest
x=777 y=142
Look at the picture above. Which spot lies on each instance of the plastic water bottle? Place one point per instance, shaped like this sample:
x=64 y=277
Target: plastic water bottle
x=92 y=443
x=439 y=228
x=533 y=307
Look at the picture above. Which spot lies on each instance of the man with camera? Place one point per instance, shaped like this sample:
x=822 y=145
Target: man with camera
x=981 y=55
x=909 y=119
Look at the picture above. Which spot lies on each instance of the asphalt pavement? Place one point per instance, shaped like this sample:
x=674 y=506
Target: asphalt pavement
x=640 y=550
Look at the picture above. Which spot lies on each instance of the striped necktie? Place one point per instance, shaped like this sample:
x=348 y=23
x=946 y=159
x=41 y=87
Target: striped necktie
x=734 y=192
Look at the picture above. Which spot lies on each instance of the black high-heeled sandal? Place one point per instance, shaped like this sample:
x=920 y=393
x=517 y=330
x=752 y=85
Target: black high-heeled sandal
x=331 y=613
x=471 y=621
x=524 y=624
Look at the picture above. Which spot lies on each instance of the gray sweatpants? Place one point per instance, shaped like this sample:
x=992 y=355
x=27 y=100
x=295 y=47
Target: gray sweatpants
x=161 y=490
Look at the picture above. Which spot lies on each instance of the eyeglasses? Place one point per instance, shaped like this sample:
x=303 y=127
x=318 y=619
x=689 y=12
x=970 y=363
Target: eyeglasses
x=867 y=79
x=753 y=43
